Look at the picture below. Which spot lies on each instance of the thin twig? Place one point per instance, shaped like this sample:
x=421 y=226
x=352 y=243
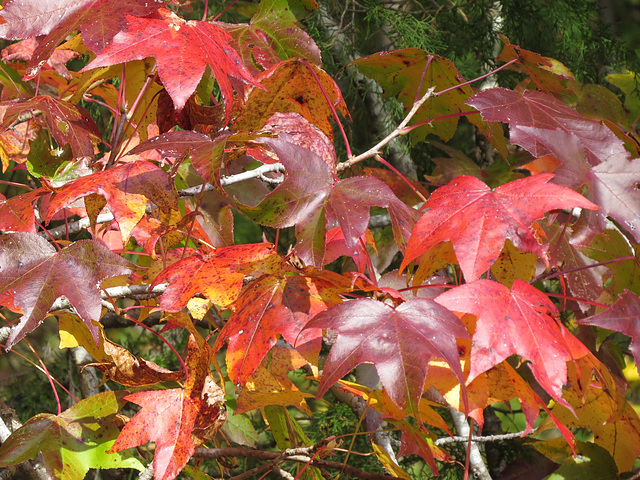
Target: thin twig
x=481 y=439
x=373 y=151
x=138 y=292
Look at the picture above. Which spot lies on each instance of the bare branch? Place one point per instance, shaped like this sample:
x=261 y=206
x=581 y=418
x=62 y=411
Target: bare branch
x=481 y=439
x=478 y=468
x=380 y=113
x=373 y=151
x=147 y=473
x=288 y=455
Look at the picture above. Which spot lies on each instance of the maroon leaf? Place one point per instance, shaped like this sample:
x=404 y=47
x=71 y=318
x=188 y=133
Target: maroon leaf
x=622 y=316
x=611 y=184
x=207 y=155
x=36 y=275
x=398 y=341
x=172 y=144
x=591 y=154
x=584 y=279
x=99 y=21
x=542 y=111
x=66 y=122
x=310 y=194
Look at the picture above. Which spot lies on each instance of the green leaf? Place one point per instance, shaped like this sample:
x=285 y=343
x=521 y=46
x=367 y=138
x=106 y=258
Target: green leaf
x=276 y=417
x=628 y=82
x=401 y=72
x=74 y=441
x=609 y=246
x=591 y=461
x=42 y=161
x=239 y=429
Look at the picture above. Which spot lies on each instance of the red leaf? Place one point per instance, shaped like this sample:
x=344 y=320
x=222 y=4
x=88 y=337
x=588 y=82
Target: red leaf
x=126 y=188
x=66 y=122
x=37 y=275
x=218 y=276
x=336 y=247
x=622 y=316
x=416 y=440
x=517 y=321
x=181 y=419
x=167 y=418
x=17 y=214
x=24 y=51
x=277 y=306
x=99 y=21
x=398 y=341
x=478 y=220
x=182 y=50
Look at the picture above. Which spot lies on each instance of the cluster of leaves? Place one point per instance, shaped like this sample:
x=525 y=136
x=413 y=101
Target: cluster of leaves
x=211 y=121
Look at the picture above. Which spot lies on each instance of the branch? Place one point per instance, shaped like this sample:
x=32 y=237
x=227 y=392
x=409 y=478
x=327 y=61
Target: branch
x=483 y=438
x=260 y=173
x=373 y=151
x=476 y=461
x=110 y=319
x=300 y=455
x=147 y=473
x=380 y=111
x=138 y=292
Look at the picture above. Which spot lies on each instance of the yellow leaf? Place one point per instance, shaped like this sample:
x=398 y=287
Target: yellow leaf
x=74 y=333
x=513 y=264
x=198 y=307
x=269 y=385
x=613 y=421
x=388 y=463
x=436 y=258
